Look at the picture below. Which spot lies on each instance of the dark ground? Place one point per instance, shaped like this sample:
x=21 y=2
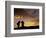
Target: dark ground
x=31 y=27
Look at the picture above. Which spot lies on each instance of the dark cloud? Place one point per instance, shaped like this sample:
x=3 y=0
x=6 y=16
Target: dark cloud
x=26 y=12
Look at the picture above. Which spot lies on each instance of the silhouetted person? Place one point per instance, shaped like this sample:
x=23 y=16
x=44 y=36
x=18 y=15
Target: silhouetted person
x=18 y=24
x=22 y=23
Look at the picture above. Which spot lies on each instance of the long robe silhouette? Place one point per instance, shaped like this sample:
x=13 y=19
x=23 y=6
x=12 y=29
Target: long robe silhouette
x=18 y=24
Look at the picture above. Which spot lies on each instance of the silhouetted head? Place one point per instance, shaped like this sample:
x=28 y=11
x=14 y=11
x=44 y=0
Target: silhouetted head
x=22 y=21
x=19 y=21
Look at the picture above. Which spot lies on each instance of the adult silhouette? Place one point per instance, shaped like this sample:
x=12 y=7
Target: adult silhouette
x=18 y=24
x=22 y=23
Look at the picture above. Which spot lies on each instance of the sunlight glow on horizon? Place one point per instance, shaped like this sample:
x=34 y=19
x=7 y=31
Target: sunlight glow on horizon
x=32 y=22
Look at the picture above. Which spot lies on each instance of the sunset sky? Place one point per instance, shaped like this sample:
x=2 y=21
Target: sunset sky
x=29 y=16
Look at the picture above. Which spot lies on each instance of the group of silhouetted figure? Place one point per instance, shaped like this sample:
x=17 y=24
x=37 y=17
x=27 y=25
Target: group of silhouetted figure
x=18 y=24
